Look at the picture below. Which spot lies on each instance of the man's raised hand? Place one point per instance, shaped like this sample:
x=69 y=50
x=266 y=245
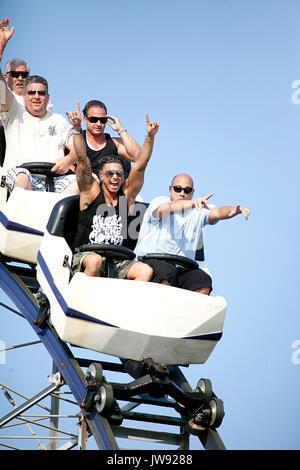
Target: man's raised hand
x=201 y=202
x=152 y=126
x=240 y=210
x=5 y=33
x=115 y=124
x=75 y=117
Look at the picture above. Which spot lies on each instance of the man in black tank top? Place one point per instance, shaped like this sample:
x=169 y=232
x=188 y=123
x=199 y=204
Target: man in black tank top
x=105 y=206
x=100 y=144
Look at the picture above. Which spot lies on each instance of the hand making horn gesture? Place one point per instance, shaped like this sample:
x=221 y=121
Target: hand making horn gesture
x=75 y=117
x=152 y=126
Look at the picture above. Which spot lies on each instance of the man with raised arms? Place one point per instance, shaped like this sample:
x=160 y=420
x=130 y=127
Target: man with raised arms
x=105 y=206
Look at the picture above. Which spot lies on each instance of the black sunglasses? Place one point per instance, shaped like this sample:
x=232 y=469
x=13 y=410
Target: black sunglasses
x=94 y=119
x=112 y=172
x=16 y=74
x=178 y=189
x=39 y=92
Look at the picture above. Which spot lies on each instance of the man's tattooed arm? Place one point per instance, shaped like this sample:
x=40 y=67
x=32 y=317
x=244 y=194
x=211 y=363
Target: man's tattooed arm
x=84 y=175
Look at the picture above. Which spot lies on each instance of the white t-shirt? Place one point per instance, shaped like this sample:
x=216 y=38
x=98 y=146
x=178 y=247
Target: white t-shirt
x=33 y=139
x=177 y=234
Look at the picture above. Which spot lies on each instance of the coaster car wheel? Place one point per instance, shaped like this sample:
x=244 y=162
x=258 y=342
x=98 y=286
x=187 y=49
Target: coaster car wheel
x=205 y=386
x=94 y=376
x=104 y=399
x=176 y=259
x=217 y=412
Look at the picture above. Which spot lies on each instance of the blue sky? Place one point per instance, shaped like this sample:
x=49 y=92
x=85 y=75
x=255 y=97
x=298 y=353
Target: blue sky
x=221 y=77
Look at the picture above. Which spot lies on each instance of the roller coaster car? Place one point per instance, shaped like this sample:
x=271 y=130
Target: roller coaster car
x=123 y=318
x=151 y=327
x=24 y=215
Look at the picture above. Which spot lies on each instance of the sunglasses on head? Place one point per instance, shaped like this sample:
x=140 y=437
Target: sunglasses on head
x=178 y=189
x=94 y=119
x=112 y=172
x=39 y=92
x=16 y=74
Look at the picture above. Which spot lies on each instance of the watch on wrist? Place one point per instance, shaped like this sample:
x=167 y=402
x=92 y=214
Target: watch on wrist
x=122 y=130
x=77 y=132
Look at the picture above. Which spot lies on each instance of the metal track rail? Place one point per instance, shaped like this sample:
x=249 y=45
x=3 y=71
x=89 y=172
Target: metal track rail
x=20 y=285
x=13 y=286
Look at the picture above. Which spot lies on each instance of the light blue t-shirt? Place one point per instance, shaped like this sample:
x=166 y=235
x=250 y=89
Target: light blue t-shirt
x=177 y=234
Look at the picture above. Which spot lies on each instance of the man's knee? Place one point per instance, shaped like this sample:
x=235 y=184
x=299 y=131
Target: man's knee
x=204 y=290
x=140 y=272
x=22 y=181
x=92 y=264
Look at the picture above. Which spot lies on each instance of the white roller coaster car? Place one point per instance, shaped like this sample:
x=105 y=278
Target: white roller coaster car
x=123 y=318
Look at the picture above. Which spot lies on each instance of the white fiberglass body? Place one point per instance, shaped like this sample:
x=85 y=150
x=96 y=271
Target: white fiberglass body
x=128 y=319
x=23 y=219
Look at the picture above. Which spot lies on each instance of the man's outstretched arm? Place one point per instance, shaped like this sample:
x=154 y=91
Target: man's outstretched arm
x=179 y=206
x=227 y=212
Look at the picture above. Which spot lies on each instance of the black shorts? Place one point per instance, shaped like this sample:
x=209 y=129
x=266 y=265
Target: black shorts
x=162 y=271
x=190 y=279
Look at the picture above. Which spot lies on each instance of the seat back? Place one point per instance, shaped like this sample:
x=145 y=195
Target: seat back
x=134 y=223
x=63 y=220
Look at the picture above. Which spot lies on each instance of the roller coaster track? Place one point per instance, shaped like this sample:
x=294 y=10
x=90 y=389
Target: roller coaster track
x=19 y=284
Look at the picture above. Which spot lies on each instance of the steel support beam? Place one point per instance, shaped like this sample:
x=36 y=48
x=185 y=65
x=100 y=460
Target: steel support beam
x=61 y=355
x=211 y=440
x=28 y=404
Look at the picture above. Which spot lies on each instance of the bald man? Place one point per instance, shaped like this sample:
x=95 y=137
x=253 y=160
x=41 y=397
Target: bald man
x=173 y=226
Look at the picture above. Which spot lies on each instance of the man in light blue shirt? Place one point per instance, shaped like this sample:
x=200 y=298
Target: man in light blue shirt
x=174 y=226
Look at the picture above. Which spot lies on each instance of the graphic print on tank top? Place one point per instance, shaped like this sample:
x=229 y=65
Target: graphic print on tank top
x=107 y=224
x=106 y=230
x=101 y=223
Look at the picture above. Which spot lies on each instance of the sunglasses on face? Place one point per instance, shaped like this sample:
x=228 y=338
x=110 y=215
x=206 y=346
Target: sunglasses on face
x=39 y=92
x=94 y=119
x=16 y=74
x=178 y=189
x=112 y=172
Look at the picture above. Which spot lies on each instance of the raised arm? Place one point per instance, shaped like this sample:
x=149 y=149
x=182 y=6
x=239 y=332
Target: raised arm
x=86 y=183
x=179 y=206
x=135 y=180
x=6 y=96
x=127 y=147
x=227 y=212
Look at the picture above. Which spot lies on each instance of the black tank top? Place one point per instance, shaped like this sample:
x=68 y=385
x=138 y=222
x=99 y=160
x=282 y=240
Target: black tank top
x=109 y=149
x=104 y=224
